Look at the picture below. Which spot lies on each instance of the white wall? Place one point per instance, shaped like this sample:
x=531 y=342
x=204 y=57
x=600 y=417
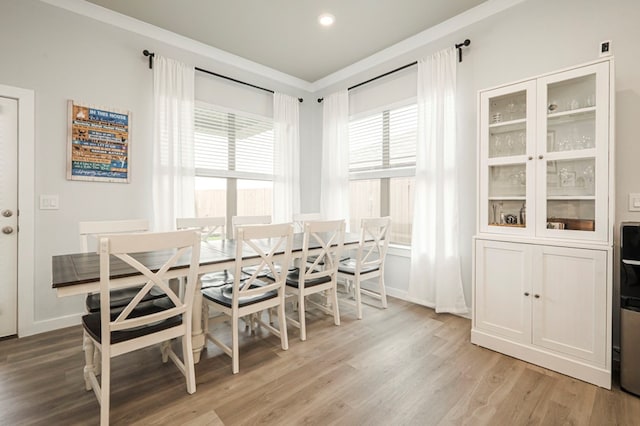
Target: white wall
x=65 y=56
x=62 y=56
x=535 y=37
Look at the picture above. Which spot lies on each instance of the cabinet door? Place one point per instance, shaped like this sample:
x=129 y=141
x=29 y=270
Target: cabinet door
x=572 y=154
x=570 y=300
x=502 y=289
x=507 y=145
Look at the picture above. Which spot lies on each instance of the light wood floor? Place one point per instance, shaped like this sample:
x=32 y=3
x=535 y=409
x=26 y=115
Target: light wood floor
x=402 y=366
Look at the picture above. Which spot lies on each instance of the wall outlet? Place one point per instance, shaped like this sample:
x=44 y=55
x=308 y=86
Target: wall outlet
x=605 y=48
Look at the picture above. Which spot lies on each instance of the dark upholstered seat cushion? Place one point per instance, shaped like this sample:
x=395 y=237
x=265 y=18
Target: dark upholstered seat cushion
x=349 y=267
x=222 y=295
x=293 y=279
x=264 y=272
x=311 y=259
x=92 y=322
x=120 y=298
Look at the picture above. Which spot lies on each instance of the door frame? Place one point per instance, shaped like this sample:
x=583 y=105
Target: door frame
x=26 y=205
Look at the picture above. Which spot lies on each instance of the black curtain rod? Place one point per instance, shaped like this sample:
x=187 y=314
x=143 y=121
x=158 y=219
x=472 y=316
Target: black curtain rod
x=459 y=46
x=151 y=55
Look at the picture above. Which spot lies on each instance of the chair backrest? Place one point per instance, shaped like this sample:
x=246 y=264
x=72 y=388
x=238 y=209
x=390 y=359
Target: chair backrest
x=209 y=227
x=300 y=218
x=149 y=256
x=94 y=228
x=266 y=246
x=374 y=242
x=248 y=220
x=328 y=236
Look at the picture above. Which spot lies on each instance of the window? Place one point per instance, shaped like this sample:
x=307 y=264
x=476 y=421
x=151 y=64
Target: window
x=382 y=160
x=234 y=162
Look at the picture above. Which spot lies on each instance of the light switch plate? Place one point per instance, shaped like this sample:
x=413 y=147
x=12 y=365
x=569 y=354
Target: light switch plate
x=49 y=202
x=634 y=202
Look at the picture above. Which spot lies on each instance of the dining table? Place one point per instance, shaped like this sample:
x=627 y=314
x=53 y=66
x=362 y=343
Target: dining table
x=79 y=273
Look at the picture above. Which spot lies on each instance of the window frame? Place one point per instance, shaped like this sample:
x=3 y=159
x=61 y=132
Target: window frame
x=230 y=174
x=385 y=174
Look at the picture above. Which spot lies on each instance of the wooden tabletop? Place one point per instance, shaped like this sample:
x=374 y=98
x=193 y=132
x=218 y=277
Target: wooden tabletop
x=83 y=268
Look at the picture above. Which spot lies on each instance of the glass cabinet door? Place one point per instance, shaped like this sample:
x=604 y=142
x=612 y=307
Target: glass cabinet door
x=573 y=139
x=506 y=151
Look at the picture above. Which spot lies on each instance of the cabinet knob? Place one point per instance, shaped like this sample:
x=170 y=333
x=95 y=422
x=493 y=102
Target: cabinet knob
x=526 y=293
x=537 y=296
x=530 y=157
x=540 y=156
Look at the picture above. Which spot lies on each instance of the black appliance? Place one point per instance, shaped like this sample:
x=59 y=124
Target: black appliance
x=630 y=307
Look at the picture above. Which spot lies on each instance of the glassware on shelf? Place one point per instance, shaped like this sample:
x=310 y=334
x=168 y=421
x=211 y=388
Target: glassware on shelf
x=588 y=173
x=590 y=101
x=511 y=109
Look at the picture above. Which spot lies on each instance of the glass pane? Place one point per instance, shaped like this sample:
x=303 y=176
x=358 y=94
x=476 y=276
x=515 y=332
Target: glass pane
x=508 y=107
x=571 y=132
x=577 y=215
x=401 y=209
x=211 y=197
x=364 y=201
x=507 y=141
x=254 y=197
x=571 y=95
x=507 y=181
x=571 y=194
x=403 y=130
x=507 y=213
x=571 y=177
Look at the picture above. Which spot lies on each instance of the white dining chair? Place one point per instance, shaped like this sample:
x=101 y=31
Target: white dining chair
x=210 y=228
x=267 y=246
x=300 y=218
x=248 y=220
x=89 y=232
x=319 y=275
x=368 y=262
x=138 y=324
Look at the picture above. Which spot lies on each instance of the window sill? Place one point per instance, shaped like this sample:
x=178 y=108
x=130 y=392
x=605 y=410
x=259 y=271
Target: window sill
x=399 y=250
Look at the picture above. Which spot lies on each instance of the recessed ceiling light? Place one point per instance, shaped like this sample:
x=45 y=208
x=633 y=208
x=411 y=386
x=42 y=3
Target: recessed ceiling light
x=326 y=19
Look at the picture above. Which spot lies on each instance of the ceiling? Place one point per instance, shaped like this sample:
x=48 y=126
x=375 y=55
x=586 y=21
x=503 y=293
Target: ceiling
x=285 y=34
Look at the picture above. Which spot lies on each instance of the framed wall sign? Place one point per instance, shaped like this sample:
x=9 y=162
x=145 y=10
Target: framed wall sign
x=98 y=143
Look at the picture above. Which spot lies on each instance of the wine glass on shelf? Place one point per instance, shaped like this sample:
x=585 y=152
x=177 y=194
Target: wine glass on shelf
x=497 y=146
x=511 y=109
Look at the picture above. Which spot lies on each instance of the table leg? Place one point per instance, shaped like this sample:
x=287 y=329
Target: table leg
x=197 y=334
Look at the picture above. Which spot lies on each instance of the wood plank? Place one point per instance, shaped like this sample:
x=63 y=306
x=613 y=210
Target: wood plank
x=402 y=365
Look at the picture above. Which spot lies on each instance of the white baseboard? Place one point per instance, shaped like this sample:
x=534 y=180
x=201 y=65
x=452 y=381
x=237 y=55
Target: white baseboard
x=402 y=295
x=38 y=327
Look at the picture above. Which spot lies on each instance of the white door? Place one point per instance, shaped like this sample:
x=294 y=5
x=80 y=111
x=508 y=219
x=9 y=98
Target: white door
x=503 y=289
x=569 y=305
x=8 y=216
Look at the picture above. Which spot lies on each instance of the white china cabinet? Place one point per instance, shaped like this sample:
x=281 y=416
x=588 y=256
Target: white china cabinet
x=543 y=251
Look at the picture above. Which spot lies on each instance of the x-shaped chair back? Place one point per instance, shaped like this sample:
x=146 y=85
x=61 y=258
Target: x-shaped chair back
x=328 y=236
x=373 y=243
x=170 y=245
x=264 y=246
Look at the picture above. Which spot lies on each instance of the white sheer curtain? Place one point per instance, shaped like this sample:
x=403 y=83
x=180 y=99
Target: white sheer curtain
x=173 y=158
x=286 y=164
x=334 y=181
x=435 y=260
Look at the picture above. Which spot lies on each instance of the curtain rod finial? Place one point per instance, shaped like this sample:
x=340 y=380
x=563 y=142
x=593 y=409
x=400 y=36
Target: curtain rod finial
x=145 y=52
